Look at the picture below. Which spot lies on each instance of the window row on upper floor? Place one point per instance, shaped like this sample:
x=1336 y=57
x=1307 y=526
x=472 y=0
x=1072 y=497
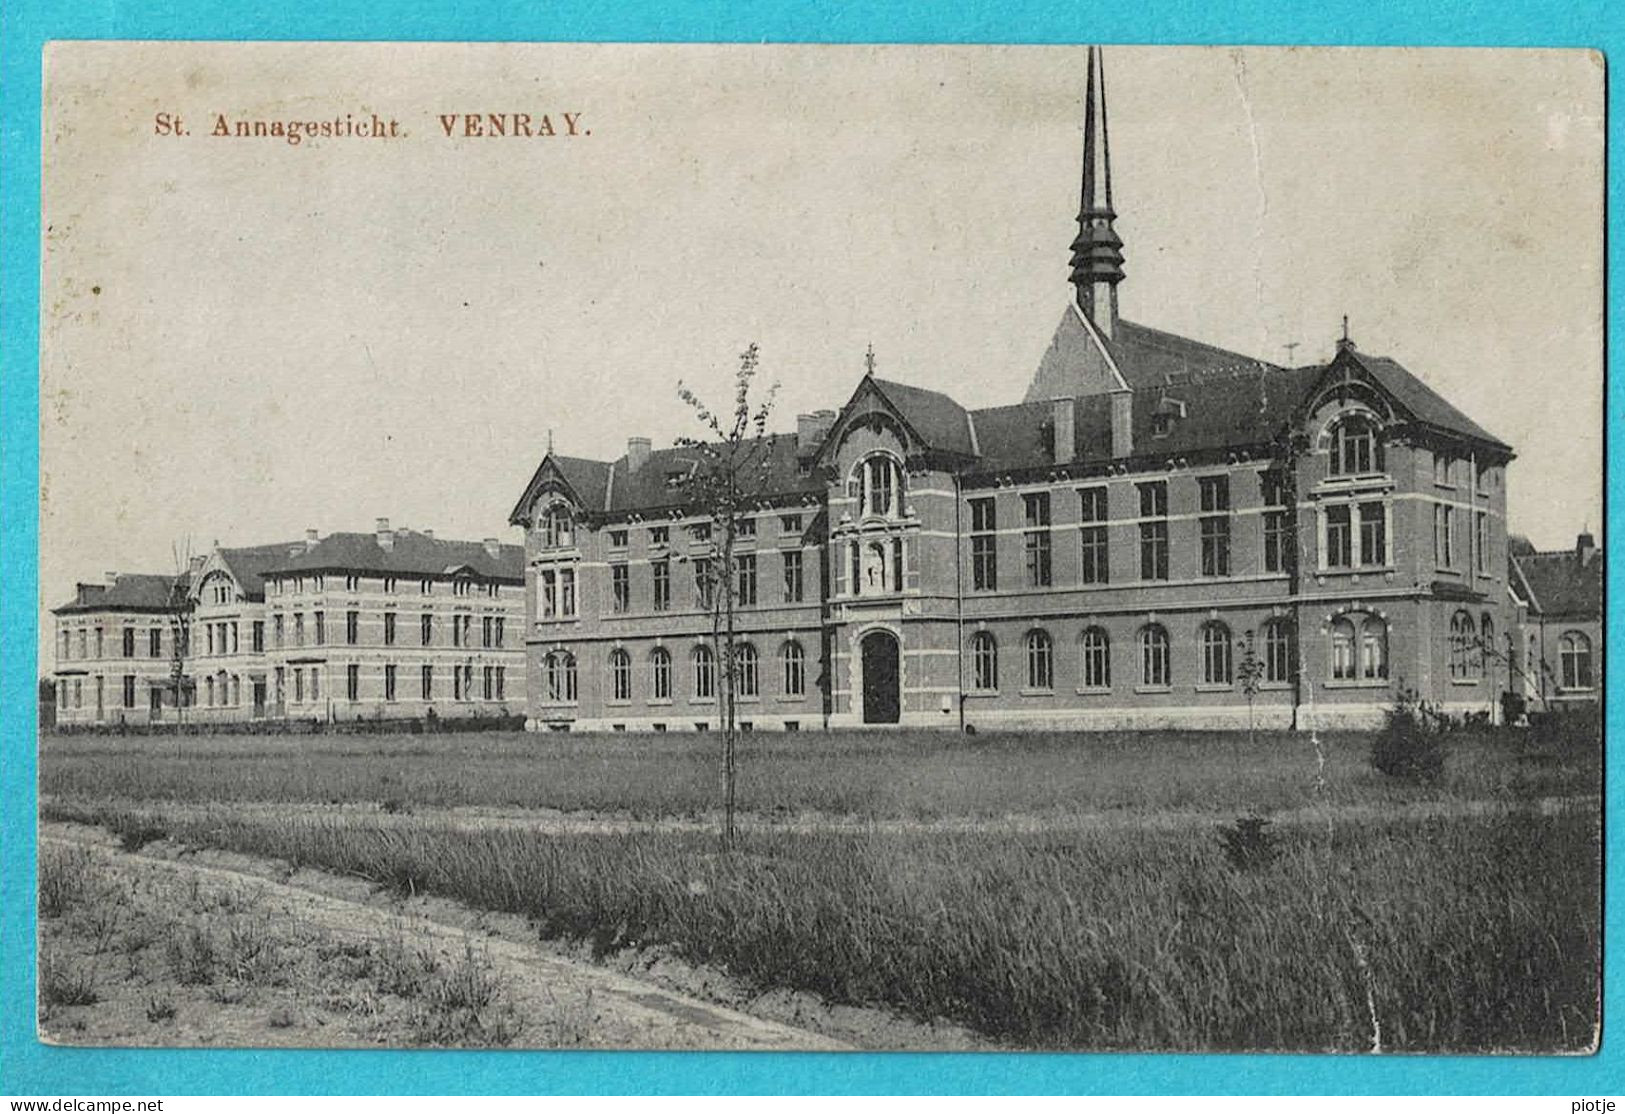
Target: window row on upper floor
x=557 y=528
x=388 y=585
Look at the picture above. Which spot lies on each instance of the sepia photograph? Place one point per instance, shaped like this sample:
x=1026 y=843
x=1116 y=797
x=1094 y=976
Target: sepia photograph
x=821 y=548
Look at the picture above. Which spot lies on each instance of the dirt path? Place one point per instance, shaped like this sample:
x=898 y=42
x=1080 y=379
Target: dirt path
x=550 y=1000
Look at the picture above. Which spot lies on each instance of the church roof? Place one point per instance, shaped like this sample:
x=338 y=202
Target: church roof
x=412 y=554
x=133 y=591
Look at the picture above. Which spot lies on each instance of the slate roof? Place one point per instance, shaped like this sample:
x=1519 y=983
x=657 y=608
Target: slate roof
x=413 y=554
x=938 y=419
x=249 y=564
x=1421 y=400
x=1560 y=583
x=1149 y=357
x=135 y=591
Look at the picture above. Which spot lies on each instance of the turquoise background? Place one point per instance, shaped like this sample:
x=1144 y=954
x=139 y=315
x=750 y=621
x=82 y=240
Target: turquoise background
x=29 y=1068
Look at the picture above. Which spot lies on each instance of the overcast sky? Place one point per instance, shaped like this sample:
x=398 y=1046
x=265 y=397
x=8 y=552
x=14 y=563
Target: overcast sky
x=245 y=338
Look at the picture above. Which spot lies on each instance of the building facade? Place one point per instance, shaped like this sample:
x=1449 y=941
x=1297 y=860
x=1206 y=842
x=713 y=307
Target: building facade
x=1161 y=534
x=1557 y=656
x=390 y=624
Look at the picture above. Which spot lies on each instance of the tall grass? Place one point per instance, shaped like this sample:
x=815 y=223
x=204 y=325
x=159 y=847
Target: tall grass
x=1451 y=935
x=920 y=774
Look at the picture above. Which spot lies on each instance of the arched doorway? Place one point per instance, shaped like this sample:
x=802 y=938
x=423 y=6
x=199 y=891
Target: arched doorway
x=881 y=703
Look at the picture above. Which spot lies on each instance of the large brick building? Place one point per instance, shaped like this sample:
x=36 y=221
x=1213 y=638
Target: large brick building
x=389 y=624
x=1158 y=524
x=1558 y=595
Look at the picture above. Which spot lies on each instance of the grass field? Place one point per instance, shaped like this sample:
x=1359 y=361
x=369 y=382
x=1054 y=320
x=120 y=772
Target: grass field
x=1365 y=924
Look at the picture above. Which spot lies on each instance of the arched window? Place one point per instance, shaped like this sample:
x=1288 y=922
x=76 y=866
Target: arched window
x=745 y=662
x=559 y=668
x=1095 y=652
x=877 y=485
x=1154 y=665
x=660 y=673
x=1462 y=651
x=793 y=661
x=984 y=657
x=620 y=675
x=1374 y=649
x=1040 y=660
x=1574 y=658
x=1277 y=652
x=705 y=673
x=1355 y=447
x=1216 y=656
x=557 y=526
x=1344 y=667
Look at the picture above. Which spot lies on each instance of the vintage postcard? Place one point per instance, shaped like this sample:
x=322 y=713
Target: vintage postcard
x=821 y=547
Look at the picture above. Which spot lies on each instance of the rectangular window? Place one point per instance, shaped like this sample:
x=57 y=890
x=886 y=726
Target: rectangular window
x=129 y=690
x=744 y=528
x=389 y=683
x=1373 y=535
x=426 y=628
x=1443 y=527
x=496 y=639
x=298 y=631
x=548 y=583
x=276 y=630
x=352 y=682
x=790 y=523
x=702 y=583
x=617 y=539
x=352 y=627
x=389 y=585
x=1215 y=524
x=567 y=593
x=208 y=632
x=1443 y=469
x=129 y=642
x=1036 y=540
x=1339 y=537
x=1482 y=542
x=700 y=531
x=321 y=628
x=1153 y=534
x=659 y=535
x=426 y=682
x=426 y=587
x=488 y=681
x=485 y=631
x=1096 y=566
x=794 y=590
x=502 y=683
x=620 y=589
x=984 y=546
x=259 y=636
x=298 y=687
x=1278 y=537
x=155 y=640
x=662 y=584
x=456 y=683
x=745 y=580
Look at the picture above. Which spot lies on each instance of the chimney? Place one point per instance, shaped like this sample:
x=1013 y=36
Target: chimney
x=1066 y=432
x=637 y=452
x=811 y=429
x=386 y=536
x=493 y=547
x=310 y=540
x=1122 y=424
x=112 y=579
x=1584 y=547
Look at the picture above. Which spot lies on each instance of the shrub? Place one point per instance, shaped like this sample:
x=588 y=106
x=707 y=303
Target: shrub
x=1249 y=843
x=1411 y=745
x=62 y=984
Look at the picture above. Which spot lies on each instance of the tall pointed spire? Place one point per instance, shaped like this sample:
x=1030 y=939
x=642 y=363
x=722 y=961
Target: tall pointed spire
x=1097 y=253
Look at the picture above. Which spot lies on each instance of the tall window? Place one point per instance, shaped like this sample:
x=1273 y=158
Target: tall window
x=745 y=579
x=1444 y=521
x=1040 y=660
x=389 y=682
x=1096 y=567
x=1342 y=648
x=1278 y=537
x=1574 y=660
x=352 y=682
x=705 y=673
x=1216 y=655
x=660 y=674
x=155 y=638
x=620 y=589
x=129 y=690
x=1153 y=530
x=558 y=588
x=794 y=590
x=129 y=642
x=1373 y=535
x=878 y=487
x=1154 y=664
x=1277 y=652
x=984 y=546
x=749 y=681
x=352 y=627
x=793 y=663
x=1215 y=524
x=389 y=628
x=1096 y=659
x=559 y=672
x=1373 y=649
x=1339 y=536
x=1482 y=548
x=259 y=636
x=620 y=675
x=1463 y=651
x=1035 y=541
x=1443 y=469
x=426 y=682
x=984 y=656
x=1486 y=640
x=558 y=527
x=662 y=584
x=426 y=628
x=704 y=589
x=1355 y=447
x=298 y=632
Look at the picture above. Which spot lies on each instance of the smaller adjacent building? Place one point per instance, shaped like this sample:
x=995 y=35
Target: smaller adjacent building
x=389 y=624
x=1558 y=595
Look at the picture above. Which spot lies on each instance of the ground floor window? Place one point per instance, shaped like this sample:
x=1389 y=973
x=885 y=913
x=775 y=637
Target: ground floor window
x=1040 y=660
x=1464 y=654
x=794 y=663
x=660 y=674
x=749 y=684
x=1155 y=668
x=1217 y=659
x=559 y=670
x=1096 y=661
x=984 y=654
x=1574 y=660
x=1277 y=652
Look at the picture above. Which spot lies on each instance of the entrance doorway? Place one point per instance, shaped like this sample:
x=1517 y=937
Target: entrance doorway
x=881 y=703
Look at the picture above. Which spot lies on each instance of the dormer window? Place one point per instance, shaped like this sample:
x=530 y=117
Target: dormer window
x=1161 y=424
x=557 y=527
x=676 y=478
x=877 y=485
x=1355 y=447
